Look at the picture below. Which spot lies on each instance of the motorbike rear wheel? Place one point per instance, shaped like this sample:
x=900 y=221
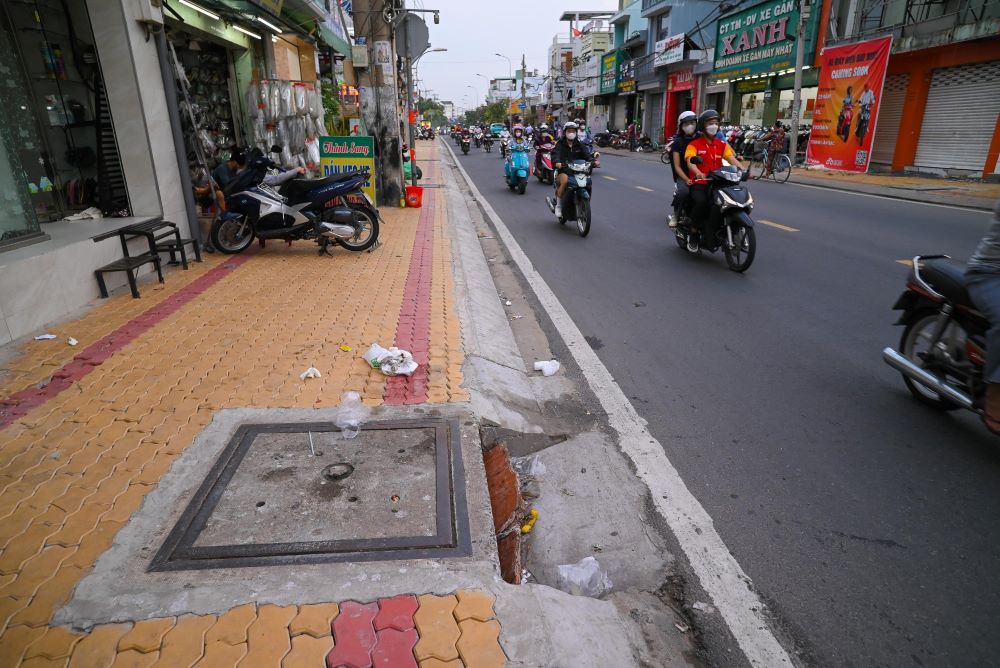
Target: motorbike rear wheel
x=583 y=216
x=740 y=256
x=521 y=185
x=916 y=341
x=367 y=231
x=228 y=236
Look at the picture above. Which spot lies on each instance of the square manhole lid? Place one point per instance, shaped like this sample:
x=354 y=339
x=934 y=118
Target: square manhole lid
x=396 y=491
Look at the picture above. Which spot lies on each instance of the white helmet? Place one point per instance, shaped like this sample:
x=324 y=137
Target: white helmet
x=570 y=125
x=686 y=116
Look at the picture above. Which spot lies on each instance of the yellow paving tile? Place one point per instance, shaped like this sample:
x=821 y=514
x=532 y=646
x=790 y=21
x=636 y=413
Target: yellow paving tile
x=438 y=663
x=57 y=643
x=436 y=625
x=314 y=620
x=15 y=642
x=51 y=594
x=99 y=648
x=147 y=635
x=219 y=654
x=133 y=659
x=474 y=605
x=307 y=652
x=479 y=644
x=184 y=644
x=267 y=637
x=231 y=627
x=35 y=571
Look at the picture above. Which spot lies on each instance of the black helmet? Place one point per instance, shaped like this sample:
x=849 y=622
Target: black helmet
x=706 y=115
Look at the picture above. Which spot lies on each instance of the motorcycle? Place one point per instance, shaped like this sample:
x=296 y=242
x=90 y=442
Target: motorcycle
x=863 y=119
x=488 y=142
x=504 y=147
x=465 y=144
x=329 y=210
x=844 y=122
x=942 y=351
x=602 y=139
x=516 y=168
x=730 y=204
x=575 y=203
x=543 y=169
x=478 y=138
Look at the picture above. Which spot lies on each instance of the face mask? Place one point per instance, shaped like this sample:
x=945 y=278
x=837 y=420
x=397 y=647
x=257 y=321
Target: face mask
x=688 y=128
x=571 y=136
x=711 y=129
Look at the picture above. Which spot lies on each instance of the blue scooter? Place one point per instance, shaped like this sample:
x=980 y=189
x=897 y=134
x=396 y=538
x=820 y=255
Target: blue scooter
x=516 y=166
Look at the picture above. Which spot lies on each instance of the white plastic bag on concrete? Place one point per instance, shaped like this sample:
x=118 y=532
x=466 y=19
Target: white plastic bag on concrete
x=584 y=578
x=528 y=465
x=547 y=367
x=391 y=362
x=311 y=372
x=351 y=414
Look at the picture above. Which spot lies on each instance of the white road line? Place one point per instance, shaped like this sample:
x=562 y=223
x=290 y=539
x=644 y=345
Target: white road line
x=649 y=190
x=779 y=226
x=717 y=570
x=891 y=199
x=609 y=178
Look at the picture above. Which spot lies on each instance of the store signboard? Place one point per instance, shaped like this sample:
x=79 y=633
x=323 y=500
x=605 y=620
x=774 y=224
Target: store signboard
x=847 y=103
x=682 y=80
x=626 y=76
x=609 y=72
x=760 y=40
x=669 y=50
x=359 y=55
x=343 y=154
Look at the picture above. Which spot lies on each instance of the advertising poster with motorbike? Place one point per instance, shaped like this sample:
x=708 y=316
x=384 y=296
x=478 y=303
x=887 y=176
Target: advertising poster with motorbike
x=847 y=102
x=344 y=154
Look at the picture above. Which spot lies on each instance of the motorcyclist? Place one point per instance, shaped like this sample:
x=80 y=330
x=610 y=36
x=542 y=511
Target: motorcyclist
x=982 y=278
x=568 y=148
x=583 y=131
x=542 y=137
x=687 y=129
x=519 y=141
x=712 y=152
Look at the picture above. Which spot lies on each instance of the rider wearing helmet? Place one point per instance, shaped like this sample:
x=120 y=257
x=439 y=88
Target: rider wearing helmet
x=712 y=152
x=542 y=137
x=687 y=129
x=519 y=137
x=568 y=149
x=583 y=130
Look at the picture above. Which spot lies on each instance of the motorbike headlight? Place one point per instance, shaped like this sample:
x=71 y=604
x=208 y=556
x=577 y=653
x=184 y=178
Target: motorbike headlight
x=725 y=201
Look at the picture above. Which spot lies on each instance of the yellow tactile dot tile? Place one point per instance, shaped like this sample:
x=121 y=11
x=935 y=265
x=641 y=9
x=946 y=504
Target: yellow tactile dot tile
x=314 y=620
x=267 y=637
x=147 y=635
x=474 y=605
x=184 y=644
x=436 y=625
x=307 y=652
x=99 y=648
x=479 y=644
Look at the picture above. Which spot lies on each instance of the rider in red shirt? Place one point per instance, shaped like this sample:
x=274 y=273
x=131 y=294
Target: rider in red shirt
x=712 y=152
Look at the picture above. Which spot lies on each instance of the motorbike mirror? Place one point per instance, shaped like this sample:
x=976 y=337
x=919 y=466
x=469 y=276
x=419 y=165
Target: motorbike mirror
x=275 y=149
x=696 y=160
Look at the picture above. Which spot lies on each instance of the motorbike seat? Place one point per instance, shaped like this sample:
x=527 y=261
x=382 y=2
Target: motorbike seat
x=948 y=278
x=297 y=186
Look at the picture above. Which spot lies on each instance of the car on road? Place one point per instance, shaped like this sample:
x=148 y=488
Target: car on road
x=496 y=129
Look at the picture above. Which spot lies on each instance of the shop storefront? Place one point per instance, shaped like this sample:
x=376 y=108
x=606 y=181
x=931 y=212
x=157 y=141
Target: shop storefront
x=681 y=95
x=628 y=104
x=59 y=153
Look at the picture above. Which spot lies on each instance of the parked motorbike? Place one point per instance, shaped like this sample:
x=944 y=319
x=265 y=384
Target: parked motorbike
x=465 y=143
x=331 y=210
x=730 y=206
x=544 y=170
x=575 y=203
x=942 y=351
x=516 y=167
x=844 y=122
x=602 y=139
x=864 y=117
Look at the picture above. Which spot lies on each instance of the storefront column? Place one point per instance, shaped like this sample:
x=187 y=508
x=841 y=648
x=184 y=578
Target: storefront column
x=913 y=116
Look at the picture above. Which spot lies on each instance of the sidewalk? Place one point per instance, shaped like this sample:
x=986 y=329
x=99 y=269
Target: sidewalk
x=929 y=190
x=137 y=412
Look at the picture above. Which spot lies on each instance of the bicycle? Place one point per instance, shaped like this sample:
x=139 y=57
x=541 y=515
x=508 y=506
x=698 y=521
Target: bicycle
x=781 y=167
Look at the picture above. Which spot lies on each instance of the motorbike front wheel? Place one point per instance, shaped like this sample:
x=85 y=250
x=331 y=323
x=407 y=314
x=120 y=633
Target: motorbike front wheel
x=917 y=342
x=583 y=216
x=231 y=236
x=665 y=157
x=740 y=256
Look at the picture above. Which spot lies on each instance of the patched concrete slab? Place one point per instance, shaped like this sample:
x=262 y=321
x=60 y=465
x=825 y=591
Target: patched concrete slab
x=120 y=588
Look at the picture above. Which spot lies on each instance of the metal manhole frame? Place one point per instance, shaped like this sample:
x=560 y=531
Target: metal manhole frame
x=452 y=537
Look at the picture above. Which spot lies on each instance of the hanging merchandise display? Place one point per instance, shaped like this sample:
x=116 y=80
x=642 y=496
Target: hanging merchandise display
x=289 y=114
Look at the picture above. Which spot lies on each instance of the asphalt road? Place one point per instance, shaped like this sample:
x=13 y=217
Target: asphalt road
x=867 y=521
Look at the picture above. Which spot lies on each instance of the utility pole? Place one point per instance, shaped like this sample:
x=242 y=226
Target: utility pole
x=524 y=99
x=800 y=58
x=410 y=117
x=379 y=99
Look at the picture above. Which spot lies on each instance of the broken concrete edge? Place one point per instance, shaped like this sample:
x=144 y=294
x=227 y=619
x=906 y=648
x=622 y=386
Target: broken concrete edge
x=119 y=588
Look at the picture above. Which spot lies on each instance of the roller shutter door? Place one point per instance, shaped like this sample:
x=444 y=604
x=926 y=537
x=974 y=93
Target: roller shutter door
x=890 y=113
x=959 y=118
x=654 y=121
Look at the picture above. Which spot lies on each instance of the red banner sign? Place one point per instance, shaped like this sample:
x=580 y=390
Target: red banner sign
x=847 y=104
x=682 y=80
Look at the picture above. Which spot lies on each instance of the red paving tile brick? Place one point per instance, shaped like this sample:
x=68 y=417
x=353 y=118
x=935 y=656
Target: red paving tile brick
x=353 y=635
x=394 y=649
x=396 y=613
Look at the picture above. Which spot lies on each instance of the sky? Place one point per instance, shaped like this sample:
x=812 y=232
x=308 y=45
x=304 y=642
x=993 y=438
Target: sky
x=474 y=30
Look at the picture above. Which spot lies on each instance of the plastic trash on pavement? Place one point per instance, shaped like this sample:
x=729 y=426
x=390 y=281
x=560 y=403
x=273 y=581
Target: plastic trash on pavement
x=71 y=341
x=45 y=337
x=391 y=362
x=547 y=367
x=528 y=465
x=311 y=372
x=351 y=414
x=584 y=578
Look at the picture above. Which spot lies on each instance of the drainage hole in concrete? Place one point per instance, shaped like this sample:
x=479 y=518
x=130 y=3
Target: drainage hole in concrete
x=352 y=499
x=395 y=498
x=337 y=471
x=260 y=504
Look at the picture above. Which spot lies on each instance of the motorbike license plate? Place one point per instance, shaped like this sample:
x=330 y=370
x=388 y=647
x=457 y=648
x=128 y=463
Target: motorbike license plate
x=581 y=180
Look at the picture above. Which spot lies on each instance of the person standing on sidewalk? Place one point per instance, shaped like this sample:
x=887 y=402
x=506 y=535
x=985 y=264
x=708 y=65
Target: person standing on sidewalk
x=982 y=278
x=632 y=132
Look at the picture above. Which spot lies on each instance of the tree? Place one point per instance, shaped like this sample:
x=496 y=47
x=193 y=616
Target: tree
x=432 y=111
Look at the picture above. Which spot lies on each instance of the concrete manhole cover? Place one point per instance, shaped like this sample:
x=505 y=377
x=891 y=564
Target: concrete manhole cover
x=298 y=493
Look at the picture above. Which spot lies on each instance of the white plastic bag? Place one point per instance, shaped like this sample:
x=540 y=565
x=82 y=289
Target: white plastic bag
x=547 y=367
x=391 y=362
x=532 y=465
x=351 y=414
x=584 y=578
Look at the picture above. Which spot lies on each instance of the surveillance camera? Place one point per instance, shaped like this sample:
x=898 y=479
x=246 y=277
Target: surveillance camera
x=437 y=18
